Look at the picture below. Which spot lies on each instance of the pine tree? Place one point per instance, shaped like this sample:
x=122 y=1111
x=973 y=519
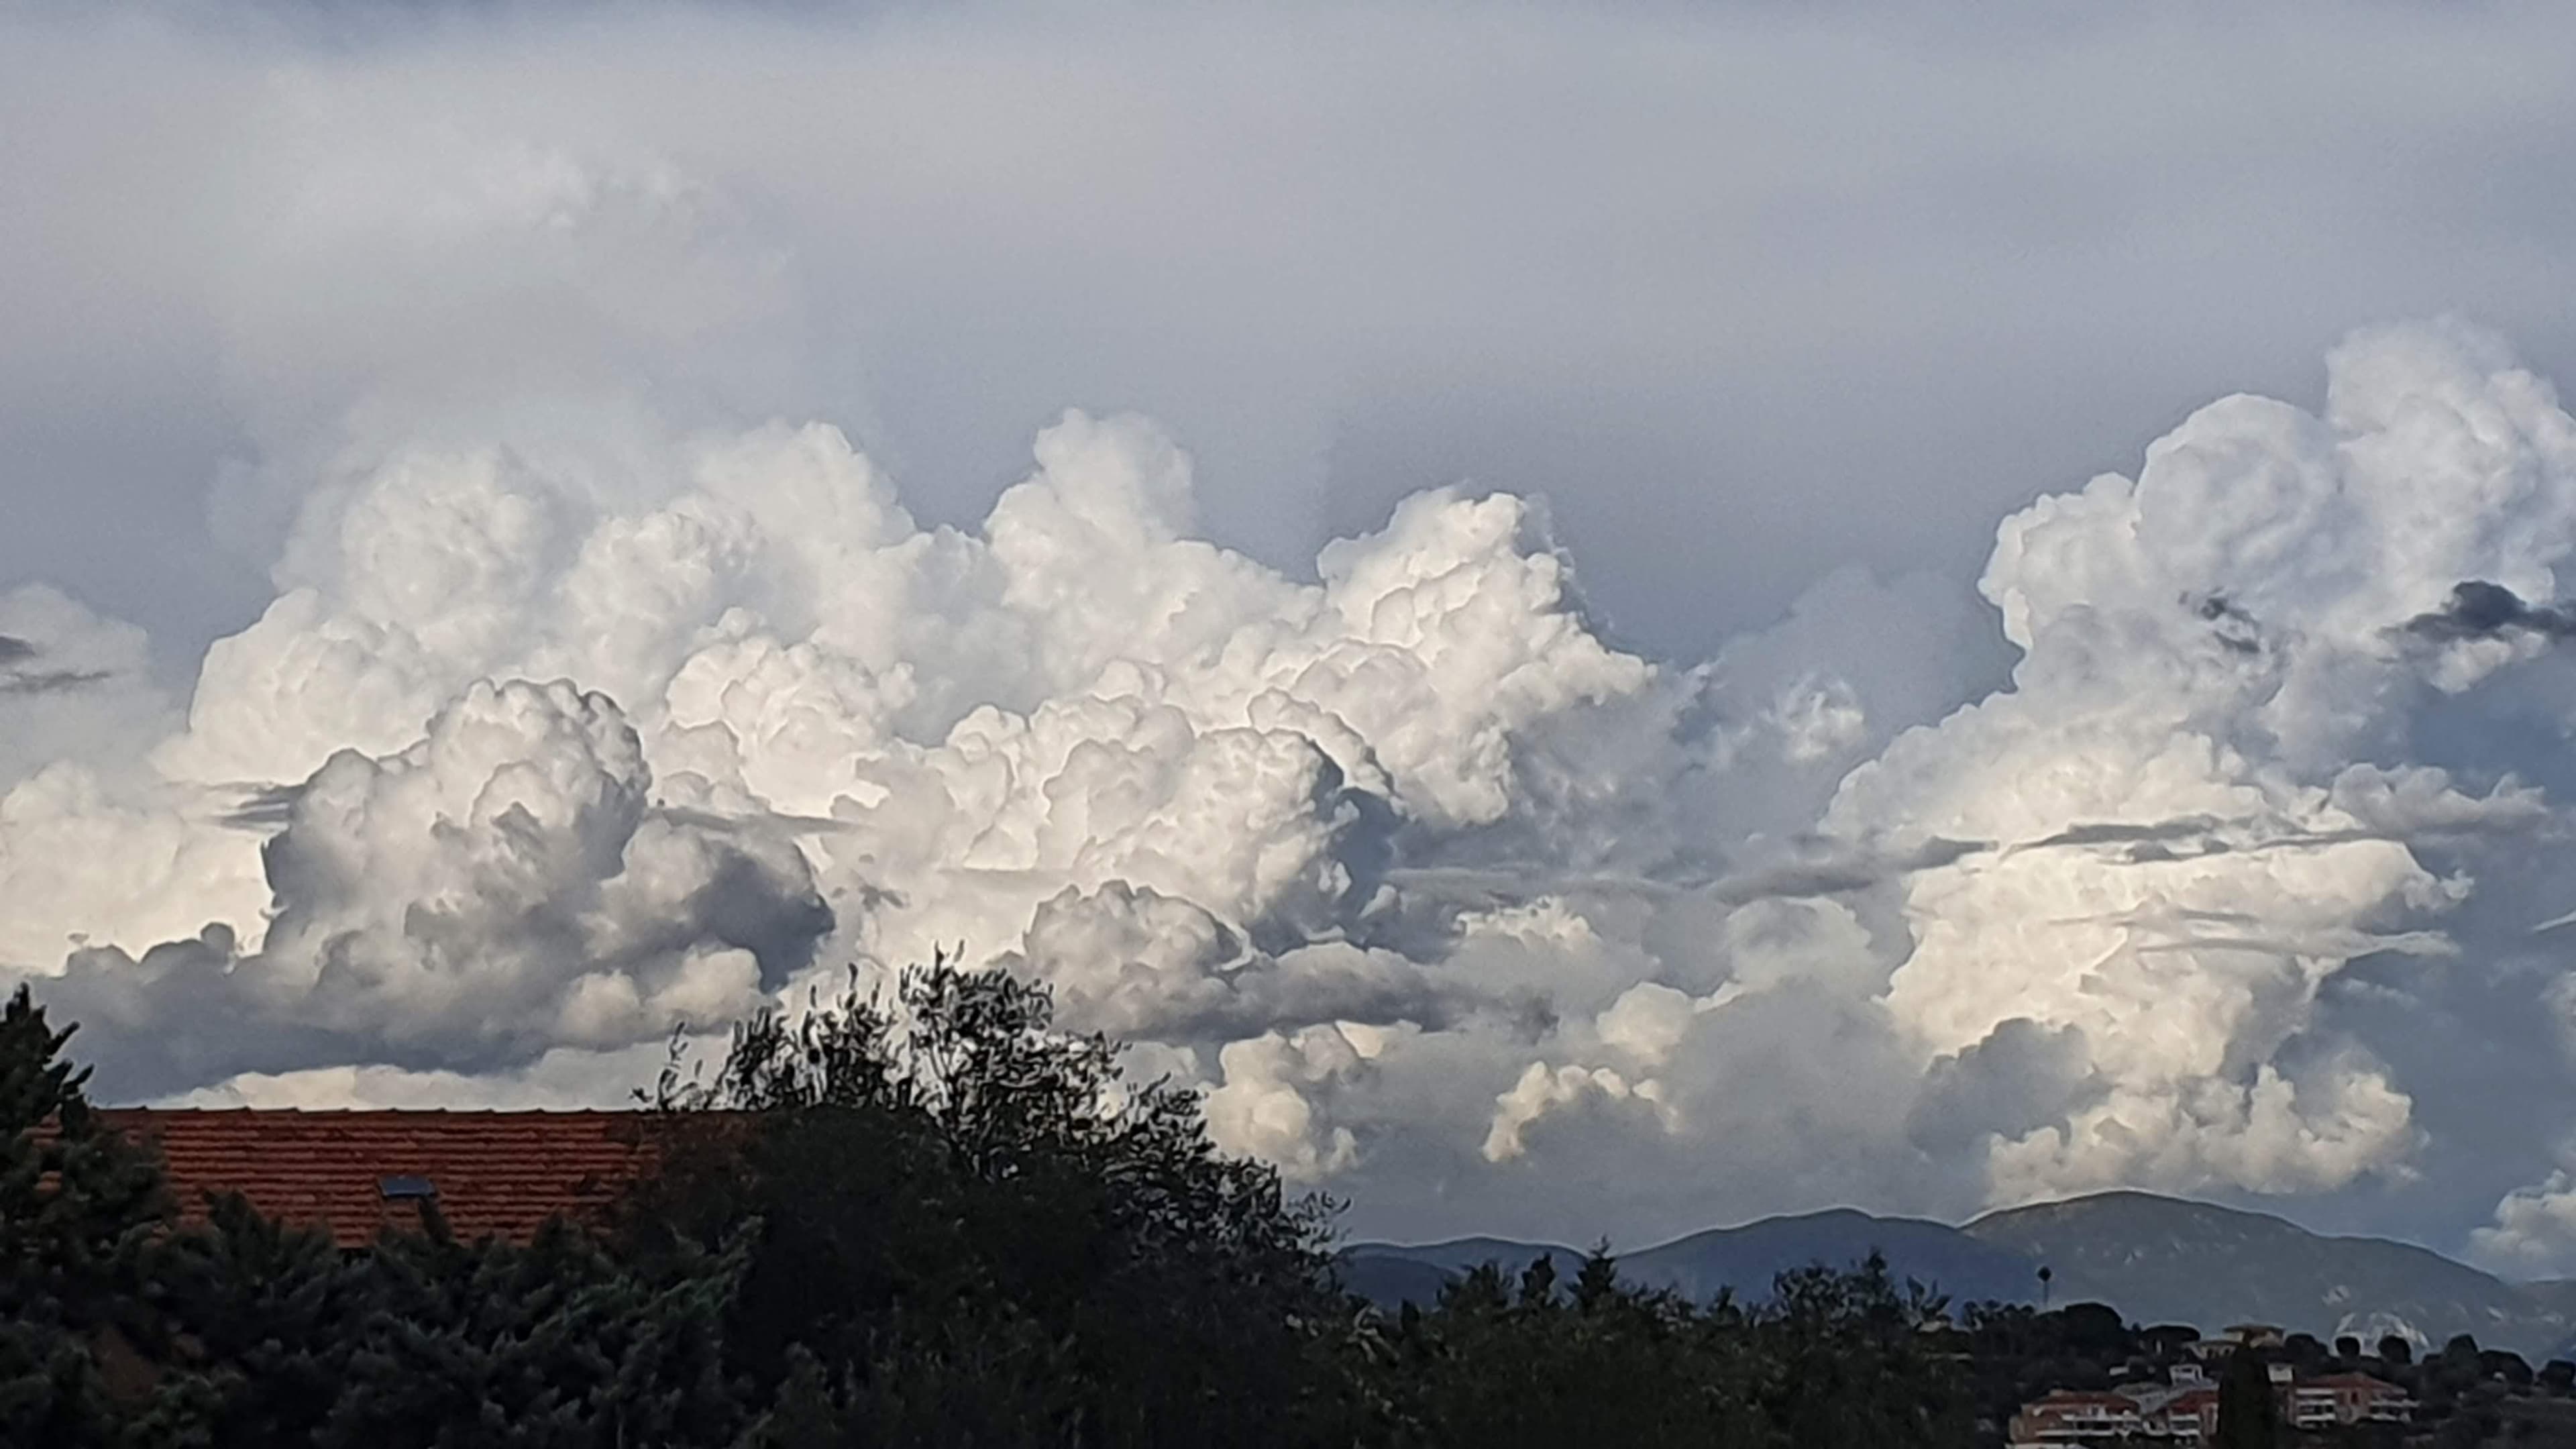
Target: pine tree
x=2247 y=1416
x=809 y=1412
x=1846 y=1355
x=78 y=1206
x=261 y=1318
x=554 y=1345
x=1596 y=1283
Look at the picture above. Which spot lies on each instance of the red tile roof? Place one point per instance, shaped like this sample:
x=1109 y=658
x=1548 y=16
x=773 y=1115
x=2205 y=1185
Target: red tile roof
x=2070 y=1398
x=498 y=1174
x=2349 y=1381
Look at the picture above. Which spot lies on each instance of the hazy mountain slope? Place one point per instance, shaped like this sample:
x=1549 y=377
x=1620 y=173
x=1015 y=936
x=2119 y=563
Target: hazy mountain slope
x=2161 y=1259
x=2156 y=1259
x=2555 y=1294
x=1460 y=1254
x=1389 y=1273
x=1386 y=1277
x=1745 y=1259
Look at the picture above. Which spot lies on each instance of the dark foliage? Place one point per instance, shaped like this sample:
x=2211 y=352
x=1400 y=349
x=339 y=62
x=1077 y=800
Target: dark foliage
x=926 y=1220
x=2017 y=1352
x=78 y=1208
x=2248 y=1418
x=951 y=1206
x=1505 y=1361
x=1846 y=1361
x=276 y=1338
x=1833 y=1358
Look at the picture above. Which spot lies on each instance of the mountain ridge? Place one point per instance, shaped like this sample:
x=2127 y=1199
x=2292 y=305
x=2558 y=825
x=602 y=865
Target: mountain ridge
x=2156 y=1259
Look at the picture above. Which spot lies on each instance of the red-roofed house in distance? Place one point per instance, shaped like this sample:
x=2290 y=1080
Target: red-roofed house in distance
x=2184 y=1415
x=2337 y=1399
x=2077 y=1416
x=357 y=1173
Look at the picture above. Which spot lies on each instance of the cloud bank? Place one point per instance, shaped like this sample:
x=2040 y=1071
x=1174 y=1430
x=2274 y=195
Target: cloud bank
x=603 y=681
x=1403 y=863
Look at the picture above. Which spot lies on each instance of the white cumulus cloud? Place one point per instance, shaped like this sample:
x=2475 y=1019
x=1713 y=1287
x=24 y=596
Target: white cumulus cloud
x=598 y=688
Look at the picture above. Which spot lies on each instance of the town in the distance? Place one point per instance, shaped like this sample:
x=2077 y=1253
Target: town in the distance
x=2116 y=1318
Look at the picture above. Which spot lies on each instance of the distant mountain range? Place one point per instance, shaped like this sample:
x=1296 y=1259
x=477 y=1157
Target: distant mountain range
x=2155 y=1259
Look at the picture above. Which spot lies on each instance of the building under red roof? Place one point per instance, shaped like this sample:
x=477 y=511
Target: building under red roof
x=2347 y=1398
x=493 y=1174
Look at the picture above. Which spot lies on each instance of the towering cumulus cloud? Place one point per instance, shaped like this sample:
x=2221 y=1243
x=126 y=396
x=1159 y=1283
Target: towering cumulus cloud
x=2184 y=848
x=542 y=753
x=546 y=768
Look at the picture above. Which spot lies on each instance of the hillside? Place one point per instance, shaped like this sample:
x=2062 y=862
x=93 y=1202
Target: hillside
x=1699 y=1266
x=1388 y=1274
x=1747 y=1258
x=2156 y=1259
x=2161 y=1259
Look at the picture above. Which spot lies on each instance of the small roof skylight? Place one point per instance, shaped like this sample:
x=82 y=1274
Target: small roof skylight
x=402 y=1187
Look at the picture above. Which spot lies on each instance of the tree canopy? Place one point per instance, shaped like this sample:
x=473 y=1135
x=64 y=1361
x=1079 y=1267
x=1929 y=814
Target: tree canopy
x=2248 y=1418
x=926 y=1216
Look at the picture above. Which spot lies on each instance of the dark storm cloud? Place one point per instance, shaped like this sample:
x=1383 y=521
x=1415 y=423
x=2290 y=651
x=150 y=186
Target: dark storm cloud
x=270 y=807
x=2232 y=626
x=51 y=681
x=2126 y=832
x=1843 y=872
x=2021 y=1077
x=20 y=676
x=263 y=807
x=2481 y=610
x=1837 y=868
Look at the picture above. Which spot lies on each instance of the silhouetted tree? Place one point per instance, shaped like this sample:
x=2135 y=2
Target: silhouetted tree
x=2095 y=1331
x=2247 y=1416
x=78 y=1206
x=1846 y=1354
x=948 y=1201
x=2512 y=1368
x=279 y=1338
x=931 y=1219
x=1510 y=1361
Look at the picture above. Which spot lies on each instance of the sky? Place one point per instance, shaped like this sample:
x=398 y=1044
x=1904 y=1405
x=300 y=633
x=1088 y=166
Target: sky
x=1598 y=619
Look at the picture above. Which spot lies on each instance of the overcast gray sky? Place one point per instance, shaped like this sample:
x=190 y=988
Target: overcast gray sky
x=1748 y=291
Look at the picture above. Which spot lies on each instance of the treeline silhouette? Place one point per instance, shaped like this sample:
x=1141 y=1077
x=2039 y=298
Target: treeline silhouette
x=931 y=1220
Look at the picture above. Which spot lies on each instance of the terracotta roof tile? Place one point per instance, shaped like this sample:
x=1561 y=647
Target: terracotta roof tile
x=2348 y=1381
x=497 y=1174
